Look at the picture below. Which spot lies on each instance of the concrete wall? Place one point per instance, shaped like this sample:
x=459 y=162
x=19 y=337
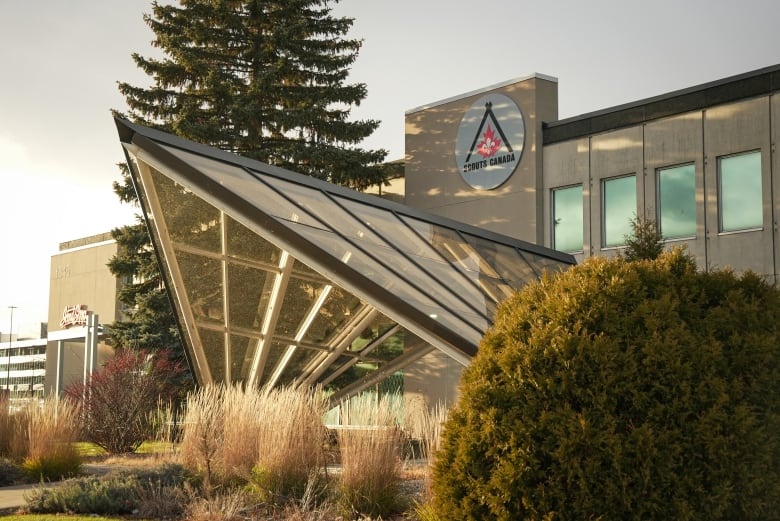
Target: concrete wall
x=434 y=183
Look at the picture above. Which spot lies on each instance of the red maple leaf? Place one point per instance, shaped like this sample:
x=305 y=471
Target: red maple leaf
x=489 y=144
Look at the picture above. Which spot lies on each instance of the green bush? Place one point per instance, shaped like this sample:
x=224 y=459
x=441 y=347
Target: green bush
x=114 y=494
x=621 y=390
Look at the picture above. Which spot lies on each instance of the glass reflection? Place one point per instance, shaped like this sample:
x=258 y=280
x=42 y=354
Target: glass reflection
x=741 y=200
x=568 y=219
x=619 y=209
x=202 y=278
x=214 y=348
x=189 y=219
x=249 y=290
x=677 y=201
x=337 y=309
x=241 y=350
x=246 y=244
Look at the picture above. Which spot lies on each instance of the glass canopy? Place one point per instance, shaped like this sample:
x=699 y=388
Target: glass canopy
x=281 y=279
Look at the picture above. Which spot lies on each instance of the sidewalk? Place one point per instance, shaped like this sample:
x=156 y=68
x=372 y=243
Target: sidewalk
x=12 y=498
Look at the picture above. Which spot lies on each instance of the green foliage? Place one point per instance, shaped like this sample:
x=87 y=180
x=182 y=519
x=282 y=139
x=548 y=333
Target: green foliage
x=266 y=80
x=645 y=241
x=114 y=494
x=52 y=467
x=621 y=390
x=10 y=472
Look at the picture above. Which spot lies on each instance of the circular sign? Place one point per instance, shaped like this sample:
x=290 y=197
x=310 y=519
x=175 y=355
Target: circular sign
x=490 y=141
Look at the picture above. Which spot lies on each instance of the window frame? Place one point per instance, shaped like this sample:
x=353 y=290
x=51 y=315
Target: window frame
x=582 y=215
x=719 y=178
x=603 y=217
x=659 y=206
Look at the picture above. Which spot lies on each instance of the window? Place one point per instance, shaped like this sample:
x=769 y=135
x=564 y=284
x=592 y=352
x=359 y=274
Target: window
x=739 y=180
x=677 y=201
x=619 y=198
x=567 y=219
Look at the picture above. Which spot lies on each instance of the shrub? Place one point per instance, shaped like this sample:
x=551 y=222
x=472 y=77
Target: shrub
x=119 y=401
x=114 y=494
x=621 y=390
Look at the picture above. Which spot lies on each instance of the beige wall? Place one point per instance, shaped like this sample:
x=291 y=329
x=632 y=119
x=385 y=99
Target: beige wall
x=78 y=276
x=434 y=184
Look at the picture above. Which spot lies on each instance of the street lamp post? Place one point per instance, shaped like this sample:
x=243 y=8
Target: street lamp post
x=8 y=360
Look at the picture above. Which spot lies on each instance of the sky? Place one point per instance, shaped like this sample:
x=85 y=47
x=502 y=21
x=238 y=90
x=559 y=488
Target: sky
x=60 y=63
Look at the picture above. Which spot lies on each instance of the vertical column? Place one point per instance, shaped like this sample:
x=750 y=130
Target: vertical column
x=58 y=377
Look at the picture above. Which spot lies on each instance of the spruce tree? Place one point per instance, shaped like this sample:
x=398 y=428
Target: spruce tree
x=263 y=79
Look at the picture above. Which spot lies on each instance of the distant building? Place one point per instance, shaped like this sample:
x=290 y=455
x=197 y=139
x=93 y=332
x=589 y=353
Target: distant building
x=80 y=285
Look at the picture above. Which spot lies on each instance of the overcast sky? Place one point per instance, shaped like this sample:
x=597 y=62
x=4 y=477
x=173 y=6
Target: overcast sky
x=61 y=61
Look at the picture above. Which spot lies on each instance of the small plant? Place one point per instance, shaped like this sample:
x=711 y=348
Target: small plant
x=370 y=459
x=43 y=440
x=156 y=489
x=291 y=443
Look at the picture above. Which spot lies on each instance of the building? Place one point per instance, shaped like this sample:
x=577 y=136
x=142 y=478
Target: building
x=496 y=189
x=81 y=289
x=22 y=369
x=700 y=162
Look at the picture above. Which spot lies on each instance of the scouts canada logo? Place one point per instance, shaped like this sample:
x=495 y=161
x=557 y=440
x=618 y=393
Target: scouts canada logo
x=490 y=141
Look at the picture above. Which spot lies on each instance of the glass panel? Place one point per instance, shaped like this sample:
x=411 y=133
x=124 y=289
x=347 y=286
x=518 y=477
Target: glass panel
x=378 y=327
x=300 y=358
x=465 y=323
x=619 y=209
x=241 y=351
x=298 y=299
x=246 y=185
x=456 y=253
x=246 y=244
x=338 y=308
x=276 y=351
x=505 y=262
x=391 y=348
x=214 y=348
x=677 y=201
x=386 y=225
x=189 y=219
x=250 y=289
x=202 y=278
x=567 y=219
x=741 y=201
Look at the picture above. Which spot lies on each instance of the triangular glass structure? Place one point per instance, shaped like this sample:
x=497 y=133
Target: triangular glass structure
x=281 y=279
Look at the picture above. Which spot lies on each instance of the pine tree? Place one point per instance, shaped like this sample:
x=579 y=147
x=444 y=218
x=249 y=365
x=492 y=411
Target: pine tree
x=263 y=79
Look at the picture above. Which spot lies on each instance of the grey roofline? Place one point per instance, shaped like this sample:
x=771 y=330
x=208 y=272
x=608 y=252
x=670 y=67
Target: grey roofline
x=128 y=130
x=746 y=85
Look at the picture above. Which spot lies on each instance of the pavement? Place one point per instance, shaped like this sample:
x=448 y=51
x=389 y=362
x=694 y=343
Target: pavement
x=12 y=498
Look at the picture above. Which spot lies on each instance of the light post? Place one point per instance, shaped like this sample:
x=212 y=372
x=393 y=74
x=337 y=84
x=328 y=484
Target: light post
x=8 y=360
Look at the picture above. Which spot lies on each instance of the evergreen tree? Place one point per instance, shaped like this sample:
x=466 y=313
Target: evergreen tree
x=263 y=79
x=645 y=241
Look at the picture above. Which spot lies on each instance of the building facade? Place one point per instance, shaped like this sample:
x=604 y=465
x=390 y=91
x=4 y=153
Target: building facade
x=700 y=162
x=80 y=286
